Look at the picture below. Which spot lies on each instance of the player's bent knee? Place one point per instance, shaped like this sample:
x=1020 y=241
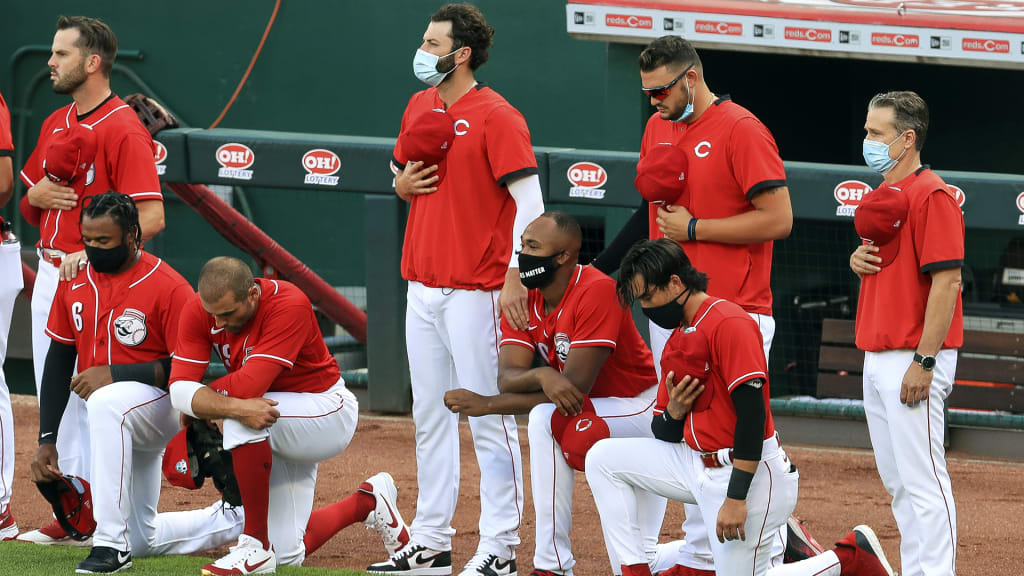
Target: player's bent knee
x=236 y=434
x=540 y=418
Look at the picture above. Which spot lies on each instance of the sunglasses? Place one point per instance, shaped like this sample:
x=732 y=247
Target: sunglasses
x=660 y=92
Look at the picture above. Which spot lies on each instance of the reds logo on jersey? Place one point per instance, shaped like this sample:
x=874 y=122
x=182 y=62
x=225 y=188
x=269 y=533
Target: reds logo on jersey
x=130 y=327
x=562 y=346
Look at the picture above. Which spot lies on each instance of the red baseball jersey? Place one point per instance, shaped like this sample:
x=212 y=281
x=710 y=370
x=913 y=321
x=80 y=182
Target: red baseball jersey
x=461 y=235
x=6 y=140
x=731 y=157
x=729 y=342
x=891 y=306
x=284 y=331
x=124 y=163
x=589 y=315
x=123 y=318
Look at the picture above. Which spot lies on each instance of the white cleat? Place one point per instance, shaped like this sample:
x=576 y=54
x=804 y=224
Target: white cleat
x=385 y=519
x=247 y=557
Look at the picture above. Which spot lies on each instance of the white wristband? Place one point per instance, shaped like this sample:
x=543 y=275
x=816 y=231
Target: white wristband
x=182 y=393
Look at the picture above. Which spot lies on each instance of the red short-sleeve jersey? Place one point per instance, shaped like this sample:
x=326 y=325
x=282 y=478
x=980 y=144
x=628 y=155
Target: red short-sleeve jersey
x=461 y=235
x=891 y=306
x=735 y=355
x=124 y=318
x=731 y=157
x=124 y=163
x=284 y=330
x=6 y=140
x=589 y=314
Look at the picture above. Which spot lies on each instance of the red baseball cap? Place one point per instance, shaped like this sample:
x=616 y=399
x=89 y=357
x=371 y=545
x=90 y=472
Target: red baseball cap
x=181 y=468
x=582 y=431
x=879 y=219
x=428 y=139
x=559 y=422
x=69 y=156
x=687 y=354
x=661 y=175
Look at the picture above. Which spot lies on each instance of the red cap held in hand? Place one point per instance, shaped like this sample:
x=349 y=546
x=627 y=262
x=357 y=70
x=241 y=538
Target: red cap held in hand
x=661 y=175
x=428 y=139
x=70 y=155
x=879 y=219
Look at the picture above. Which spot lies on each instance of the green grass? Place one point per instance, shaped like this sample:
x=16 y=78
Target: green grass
x=35 y=560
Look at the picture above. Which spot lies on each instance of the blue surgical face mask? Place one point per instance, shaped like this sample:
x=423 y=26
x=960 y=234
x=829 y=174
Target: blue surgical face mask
x=876 y=155
x=688 y=111
x=424 y=66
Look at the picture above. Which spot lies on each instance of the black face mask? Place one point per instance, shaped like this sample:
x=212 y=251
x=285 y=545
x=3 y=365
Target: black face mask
x=669 y=315
x=537 y=271
x=108 y=260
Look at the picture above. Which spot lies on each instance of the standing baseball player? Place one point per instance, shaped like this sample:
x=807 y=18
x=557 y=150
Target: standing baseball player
x=80 y=64
x=715 y=444
x=729 y=203
x=463 y=274
x=284 y=404
x=599 y=376
x=11 y=283
x=119 y=318
x=910 y=324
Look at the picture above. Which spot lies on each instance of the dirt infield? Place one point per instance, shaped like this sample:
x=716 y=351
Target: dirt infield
x=839 y=488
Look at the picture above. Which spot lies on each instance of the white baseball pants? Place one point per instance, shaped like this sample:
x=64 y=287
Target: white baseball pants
x=11 y=282
x=131 y=424
x=312 y=427
x=552 y=478
x=911 y=459
x=619 y=469
x=695 y=552
x=73 y=434
x=452 y=340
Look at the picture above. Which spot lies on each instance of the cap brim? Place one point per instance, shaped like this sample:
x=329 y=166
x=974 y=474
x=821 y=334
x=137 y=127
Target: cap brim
x=887 y=252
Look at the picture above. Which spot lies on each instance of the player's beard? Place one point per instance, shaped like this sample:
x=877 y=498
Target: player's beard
x=69 y=82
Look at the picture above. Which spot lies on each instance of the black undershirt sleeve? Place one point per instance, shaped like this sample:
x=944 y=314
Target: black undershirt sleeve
x=635 y=229
x=667 y=428
x=750 y=417
x=55 y=389
x=149 y=373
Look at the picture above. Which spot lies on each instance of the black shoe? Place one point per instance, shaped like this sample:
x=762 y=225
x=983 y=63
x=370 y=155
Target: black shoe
x=105 y=560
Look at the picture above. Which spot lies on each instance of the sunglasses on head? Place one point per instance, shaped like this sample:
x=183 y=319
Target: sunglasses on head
x=660 y=92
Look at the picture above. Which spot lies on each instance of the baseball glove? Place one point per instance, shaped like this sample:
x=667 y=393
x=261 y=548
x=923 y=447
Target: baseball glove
x=152 y=115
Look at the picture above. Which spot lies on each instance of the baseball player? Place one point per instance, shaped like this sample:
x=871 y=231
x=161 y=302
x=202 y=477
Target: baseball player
x=284 y=404
x=910 y=324
x=463 y=273
x=715 y=444
x=598 y=370
x=11 y=283
x=120 y=319
x=729 y=203
x=82 y=57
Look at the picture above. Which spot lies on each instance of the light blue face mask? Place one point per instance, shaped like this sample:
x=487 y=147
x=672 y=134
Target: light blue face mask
x=876 y=155
x=688 y=111
x=424 y=66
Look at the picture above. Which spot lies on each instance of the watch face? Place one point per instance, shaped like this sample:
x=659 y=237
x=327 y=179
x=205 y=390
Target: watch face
x=928 y=362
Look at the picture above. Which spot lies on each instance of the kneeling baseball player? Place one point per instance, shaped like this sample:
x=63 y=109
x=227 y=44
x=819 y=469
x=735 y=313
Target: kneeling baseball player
x=715 y=443
x=284 y=407
x=599 y=381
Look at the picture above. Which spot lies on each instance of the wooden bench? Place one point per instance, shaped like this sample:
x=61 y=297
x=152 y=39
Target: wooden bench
x=989 y=368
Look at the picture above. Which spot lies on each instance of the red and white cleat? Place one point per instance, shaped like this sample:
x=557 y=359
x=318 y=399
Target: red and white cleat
x=247 y=557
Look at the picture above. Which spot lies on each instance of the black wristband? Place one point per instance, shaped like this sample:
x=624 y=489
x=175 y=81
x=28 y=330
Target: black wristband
x=739 y=484
x=143 y=372
x=691 y=230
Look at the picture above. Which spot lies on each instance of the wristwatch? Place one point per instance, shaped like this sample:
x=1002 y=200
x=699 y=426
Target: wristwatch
x=926 y=362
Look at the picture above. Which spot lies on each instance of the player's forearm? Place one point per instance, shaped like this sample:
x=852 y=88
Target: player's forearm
x=151 y=218
x=745 y=228
x=153 y=373
x=514 y=402
x=54 y=390
x=938 y=312
x=209 y=405
x=6 y=180
x=529 y=199
x=636 y=228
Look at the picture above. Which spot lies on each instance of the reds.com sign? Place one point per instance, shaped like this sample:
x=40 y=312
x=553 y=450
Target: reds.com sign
x=629 y=21
x=159 y=155
x=895 y=40
x=321 y=166
x=723 y=28
x=586 y=179
x=234 y=159
x=986 y=45
x=849 y=194
x=809 y=34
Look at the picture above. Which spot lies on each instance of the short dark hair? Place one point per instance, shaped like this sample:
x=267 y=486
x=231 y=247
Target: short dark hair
x=121 y=209
x=670 y=51
x=910 y=112
x=567 y=225
x=225 y=274
x=469 y=28
x=655 y=261
x=95 y=37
